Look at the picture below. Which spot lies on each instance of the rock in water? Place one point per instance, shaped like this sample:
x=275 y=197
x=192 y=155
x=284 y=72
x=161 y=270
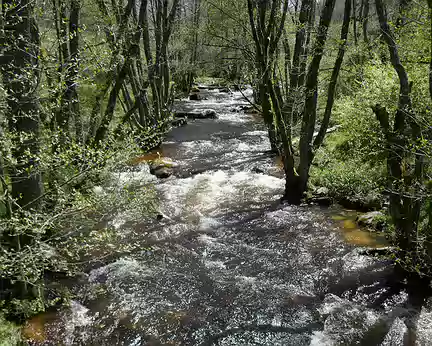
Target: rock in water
x=198 y=114
x=162 y=168
x=257 y=170
x=162 y=172
x=210 y=114
x=374 y=220
x=194 y=97
x=321 y=197
x=225 y=90
x=179 y=122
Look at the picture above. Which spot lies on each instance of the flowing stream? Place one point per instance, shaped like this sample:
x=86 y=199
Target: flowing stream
x=229 y=265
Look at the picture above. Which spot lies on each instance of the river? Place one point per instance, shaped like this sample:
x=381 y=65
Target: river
x=228 y=264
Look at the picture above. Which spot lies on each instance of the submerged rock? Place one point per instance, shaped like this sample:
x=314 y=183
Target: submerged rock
x=374 y=220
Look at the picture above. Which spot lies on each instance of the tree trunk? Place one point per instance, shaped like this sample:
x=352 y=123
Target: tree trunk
x=3 y=183
x=296 y=62
x=365 y=21
x=430 y=62
x=311 y=97
x=194 y=55
x=405 y=196
x=354 y=17
x=21 y=75
x=334 y=78
x=266 y=36
x=73 y=69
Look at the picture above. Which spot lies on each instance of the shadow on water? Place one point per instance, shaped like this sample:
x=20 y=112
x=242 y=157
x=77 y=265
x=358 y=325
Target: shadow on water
x=227 y=264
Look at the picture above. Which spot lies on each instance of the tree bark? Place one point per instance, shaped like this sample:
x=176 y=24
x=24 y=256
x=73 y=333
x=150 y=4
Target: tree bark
x=365 y=21
x=20 y=70
x=266 y=37
x=73 y=68
x=354 y=17
x=334 y=78
x=430 y=62
x=405 y=196
x=311 y=97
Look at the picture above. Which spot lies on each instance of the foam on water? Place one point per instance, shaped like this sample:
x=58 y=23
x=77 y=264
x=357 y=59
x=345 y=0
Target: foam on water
x=424 y=326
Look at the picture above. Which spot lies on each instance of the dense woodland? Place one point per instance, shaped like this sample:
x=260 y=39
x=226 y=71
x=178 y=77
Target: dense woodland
x=344 y=88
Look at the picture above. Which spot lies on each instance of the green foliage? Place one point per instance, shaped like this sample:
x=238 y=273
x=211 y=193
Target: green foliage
x=347 y=177
x=10 y=333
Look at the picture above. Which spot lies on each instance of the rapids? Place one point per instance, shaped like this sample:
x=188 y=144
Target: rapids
x=229 y=265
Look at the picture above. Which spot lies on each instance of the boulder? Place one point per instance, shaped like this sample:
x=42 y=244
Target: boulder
x=257 y=170
x=235 y=109
x=180 y=121
x=321 y=197
x=210 y=114
x=250 y=110
x=322 y=191
x=374 y=220
x=324 y=201
x=194 y=97
x=162 y=172
x=198 y=114
x=162 y=168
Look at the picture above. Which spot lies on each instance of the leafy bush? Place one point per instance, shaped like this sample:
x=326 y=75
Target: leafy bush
x=9 y=333
x=345 y=179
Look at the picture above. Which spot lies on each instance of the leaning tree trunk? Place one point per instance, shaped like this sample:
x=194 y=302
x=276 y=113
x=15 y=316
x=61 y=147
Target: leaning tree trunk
x=73 y=69
x=194 y=54
x=404 y=181
x=20 y=70
x=430 y=62
x=266 y=35
x=365 y=23
x=296 y=184
x=334 y=78
x=354 y=18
